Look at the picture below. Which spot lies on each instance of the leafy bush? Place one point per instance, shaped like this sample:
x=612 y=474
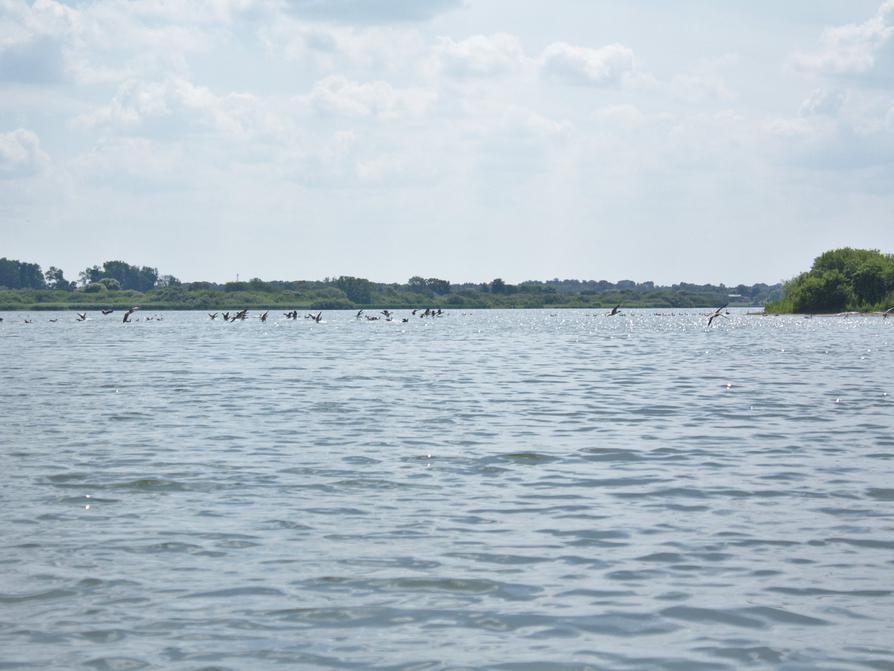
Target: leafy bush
x=841 y=279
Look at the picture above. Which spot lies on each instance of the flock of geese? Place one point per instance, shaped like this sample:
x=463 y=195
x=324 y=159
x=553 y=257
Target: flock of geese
x=242 y=315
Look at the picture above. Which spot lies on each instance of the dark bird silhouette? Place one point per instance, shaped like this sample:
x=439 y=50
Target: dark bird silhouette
x=359 y=312
x=52 y=321
x=415 y=311
x=212 y=316
x=82 y=316
x=226 y=316
x=887 y=312
x=263 y=317
x=387 y=314
x=717 y=313
x=107 y=312
x=405 y=320
x=29 y=321
x=317 y=317
x=615 y=310
x=128 y=314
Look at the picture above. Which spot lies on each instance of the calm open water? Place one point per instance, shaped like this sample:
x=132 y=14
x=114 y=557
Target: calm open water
x=489 y=490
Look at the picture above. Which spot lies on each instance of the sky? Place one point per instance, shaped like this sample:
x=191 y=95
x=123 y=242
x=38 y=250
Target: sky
x=689 y=141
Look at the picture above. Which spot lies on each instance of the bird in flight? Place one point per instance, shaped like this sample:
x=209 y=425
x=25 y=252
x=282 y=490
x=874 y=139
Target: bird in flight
x=82 y=316
x=717 y=313
x=887 y=312
x=615 y=310
x=263 y=317
x=107 y=312
x=128 y=314
x=212 y=316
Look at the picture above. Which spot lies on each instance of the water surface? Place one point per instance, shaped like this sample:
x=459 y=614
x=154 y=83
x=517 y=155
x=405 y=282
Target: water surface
x=488 y=490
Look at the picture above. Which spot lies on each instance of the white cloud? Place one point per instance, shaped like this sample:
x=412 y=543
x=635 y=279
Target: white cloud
x=853 y=49
x=20 y=154
x=789 y=127
x=822 y=102
x=337 y=94
x=370 y=11
x=625 y=116
x=699 y=88
x=176 y=105
x=479 y=55
x=136 y=164
x=610 y=65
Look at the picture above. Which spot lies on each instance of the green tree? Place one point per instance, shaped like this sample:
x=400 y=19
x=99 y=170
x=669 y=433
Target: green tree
x=55 y=279
x=167 y=281
x=438 y=286
x=357 y=289
x=128 y=276
x=109 y=283
x=416 y=283
x=821 y=292
x=870 y=281
x=20 y=275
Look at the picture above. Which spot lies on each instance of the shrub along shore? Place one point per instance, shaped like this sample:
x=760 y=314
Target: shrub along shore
x=841 y=281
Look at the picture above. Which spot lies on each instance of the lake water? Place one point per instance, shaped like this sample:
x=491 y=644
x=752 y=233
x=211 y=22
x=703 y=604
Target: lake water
x=517 y=490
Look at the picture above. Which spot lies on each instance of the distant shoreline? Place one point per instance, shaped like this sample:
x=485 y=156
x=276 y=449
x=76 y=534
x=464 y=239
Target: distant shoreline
x=165 y=307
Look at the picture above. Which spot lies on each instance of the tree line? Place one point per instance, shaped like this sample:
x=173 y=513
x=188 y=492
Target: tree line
x=118 y=282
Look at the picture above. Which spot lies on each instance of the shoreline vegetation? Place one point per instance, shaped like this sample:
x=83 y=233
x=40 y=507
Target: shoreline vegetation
x=841 y=282
x=117 y=285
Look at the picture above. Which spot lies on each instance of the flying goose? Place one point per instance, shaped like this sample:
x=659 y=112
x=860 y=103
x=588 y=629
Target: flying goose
x=615 y=310
x=82 y=316
x=128 y=314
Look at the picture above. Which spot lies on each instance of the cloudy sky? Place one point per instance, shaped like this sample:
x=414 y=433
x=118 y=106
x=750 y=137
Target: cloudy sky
x=465 y=139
